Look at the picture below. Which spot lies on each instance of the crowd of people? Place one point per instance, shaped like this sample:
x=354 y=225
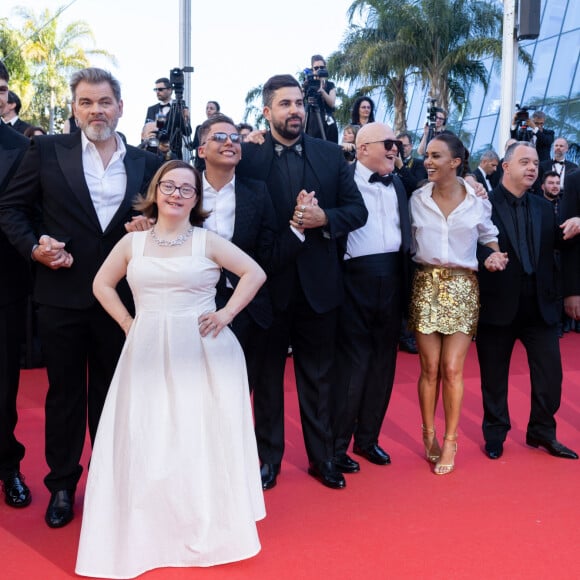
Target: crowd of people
x=169 y=292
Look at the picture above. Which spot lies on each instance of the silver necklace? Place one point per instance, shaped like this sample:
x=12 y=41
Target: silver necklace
x=178 y=241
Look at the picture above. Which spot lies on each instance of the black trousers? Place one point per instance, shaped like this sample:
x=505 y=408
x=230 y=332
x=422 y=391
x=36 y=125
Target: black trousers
x=312 y=336
x=494 y=350
x=12 y=324
x=81 y=349
x=369 y=329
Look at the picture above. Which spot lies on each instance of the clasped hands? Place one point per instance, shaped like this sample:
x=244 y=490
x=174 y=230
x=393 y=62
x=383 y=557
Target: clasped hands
x=307 y=213
x=51 y=253
x=496 y=261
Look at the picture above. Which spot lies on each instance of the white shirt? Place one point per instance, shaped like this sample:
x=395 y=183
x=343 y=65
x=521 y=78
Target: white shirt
x=450 y=242
x=222 y=205
x=107 y=185
x=484 y=175
x=382 y=232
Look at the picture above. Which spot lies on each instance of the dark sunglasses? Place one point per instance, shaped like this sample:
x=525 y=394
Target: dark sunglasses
x=157 y=89
x=220 y=137
x=318 y=67
x=389 y=144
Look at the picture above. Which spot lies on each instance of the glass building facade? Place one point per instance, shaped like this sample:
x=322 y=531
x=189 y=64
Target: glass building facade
x=554 y=86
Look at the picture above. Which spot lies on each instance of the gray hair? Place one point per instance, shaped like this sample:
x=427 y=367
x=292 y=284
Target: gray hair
x=95 y=76
x=511 y=149
x=490 y=155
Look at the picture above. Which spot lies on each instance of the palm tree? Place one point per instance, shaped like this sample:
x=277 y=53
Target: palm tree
x=439 y=43
x=54 y=54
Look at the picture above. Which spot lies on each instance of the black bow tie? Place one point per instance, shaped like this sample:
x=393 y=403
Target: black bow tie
x=386 y=179
x=555 y=162
x=296 y=148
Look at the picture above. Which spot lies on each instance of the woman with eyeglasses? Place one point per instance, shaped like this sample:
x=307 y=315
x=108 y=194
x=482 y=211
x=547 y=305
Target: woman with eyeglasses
x=448 y=221
x=174 y=477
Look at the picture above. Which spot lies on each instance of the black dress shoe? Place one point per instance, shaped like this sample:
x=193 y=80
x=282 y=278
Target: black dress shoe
x=553 y=447
x=408 y=345
x=373 y=453
x=346 y=464
x=269 y=472
x=16 y=492
x=60 y=508
x=494 y=449
x=327 y=474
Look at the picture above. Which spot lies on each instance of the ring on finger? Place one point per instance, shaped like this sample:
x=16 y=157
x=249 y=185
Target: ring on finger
x=299 y=215
x=303 y=208
x=300 y=222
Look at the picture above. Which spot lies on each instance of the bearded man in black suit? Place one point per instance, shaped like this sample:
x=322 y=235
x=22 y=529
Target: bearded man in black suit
x=14 y=289
x=308 y=290
x=521 y=303
x=84 y=185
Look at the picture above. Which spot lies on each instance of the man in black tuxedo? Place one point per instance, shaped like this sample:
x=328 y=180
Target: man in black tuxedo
x=521 y=302
x=558 y=164
x=14 y=288
x=570 y=214
x=307 y=291
x=172 y=121
x=241 y=212
x=12 y=112
x=375 y=264
x=83 y=185
x=486 y=169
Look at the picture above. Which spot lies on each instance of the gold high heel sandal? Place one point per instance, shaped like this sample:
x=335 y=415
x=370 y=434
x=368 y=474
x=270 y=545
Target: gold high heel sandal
x=444 y=469
x=432 y=449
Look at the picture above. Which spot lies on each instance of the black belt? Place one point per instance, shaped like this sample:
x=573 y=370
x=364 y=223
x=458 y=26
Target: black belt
x=375 y=264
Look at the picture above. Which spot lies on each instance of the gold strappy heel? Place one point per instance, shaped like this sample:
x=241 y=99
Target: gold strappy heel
x=432 y=449
x=444 y=469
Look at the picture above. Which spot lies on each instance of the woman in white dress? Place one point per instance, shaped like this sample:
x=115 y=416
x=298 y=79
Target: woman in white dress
x=174 y=477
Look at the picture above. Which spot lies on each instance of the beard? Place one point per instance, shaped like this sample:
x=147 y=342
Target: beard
x=98 y=133
x=286 y=131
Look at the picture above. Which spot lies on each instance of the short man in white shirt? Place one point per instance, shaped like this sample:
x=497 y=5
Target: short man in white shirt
x=84 y=185
x=375 y=267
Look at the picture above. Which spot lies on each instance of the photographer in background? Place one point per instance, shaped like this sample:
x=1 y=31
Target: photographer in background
x=437 y=120
x=167 y=120
x=320 y=97
x=534 y=126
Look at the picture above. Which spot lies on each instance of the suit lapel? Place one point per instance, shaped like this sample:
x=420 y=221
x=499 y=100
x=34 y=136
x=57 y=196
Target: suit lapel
x=536 y=219
x=504 y=214
x=70 y=159
x=404 y=220
x=244 y=213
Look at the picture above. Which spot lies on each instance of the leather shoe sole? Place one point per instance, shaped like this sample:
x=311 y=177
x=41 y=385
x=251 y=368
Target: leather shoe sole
x=553 y=447
x=60 y=508
x=346 y=464
x=16 y=492
x=374 y=454
x=494 y=450
x=327 y=474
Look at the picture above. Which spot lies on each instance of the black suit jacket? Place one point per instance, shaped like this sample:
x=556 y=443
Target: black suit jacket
x=546 y=166
x=570 y=207
x=500 y=291
x=479 y=175
x=20 y=125
x=14 y=283
x=544 y=140
x=316 y=261
x=411 y=174
x=50 y=178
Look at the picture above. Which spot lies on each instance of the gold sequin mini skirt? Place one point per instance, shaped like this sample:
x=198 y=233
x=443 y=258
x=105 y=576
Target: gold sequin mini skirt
x=444 y=300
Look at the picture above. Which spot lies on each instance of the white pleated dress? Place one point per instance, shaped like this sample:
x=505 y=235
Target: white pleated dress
x=174 y=477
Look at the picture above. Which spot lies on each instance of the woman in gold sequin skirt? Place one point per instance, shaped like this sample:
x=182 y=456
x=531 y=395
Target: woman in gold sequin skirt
x=448 y=221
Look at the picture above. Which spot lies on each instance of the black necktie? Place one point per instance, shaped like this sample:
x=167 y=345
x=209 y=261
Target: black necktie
x=296 y=148
x=385 y=179
x=521 y=224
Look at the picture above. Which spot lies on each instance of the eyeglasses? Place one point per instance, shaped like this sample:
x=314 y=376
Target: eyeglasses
x=440 y=118
x=389 y=144
x=220 y=137
x=158 y=89
x=318 y=67
x=168 y=188
x=3 y=89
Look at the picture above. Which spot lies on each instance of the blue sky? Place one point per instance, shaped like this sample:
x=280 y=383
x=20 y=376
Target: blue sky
x=236 y=45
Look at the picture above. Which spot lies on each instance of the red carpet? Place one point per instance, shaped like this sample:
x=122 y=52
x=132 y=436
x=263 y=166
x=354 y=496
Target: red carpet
x=514 y=518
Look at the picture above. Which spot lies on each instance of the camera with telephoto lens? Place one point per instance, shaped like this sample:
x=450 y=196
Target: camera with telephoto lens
x=312 y=80
x=522 y=116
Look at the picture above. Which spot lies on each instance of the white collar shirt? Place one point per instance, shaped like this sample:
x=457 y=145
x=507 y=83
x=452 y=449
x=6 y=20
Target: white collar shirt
x=382 y=232
x=451 y=242
x=222 y=205
x=107 y=185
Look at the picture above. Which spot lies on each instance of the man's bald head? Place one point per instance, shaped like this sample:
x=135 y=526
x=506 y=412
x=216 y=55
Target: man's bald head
x=374 y=132
x=371 y=149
